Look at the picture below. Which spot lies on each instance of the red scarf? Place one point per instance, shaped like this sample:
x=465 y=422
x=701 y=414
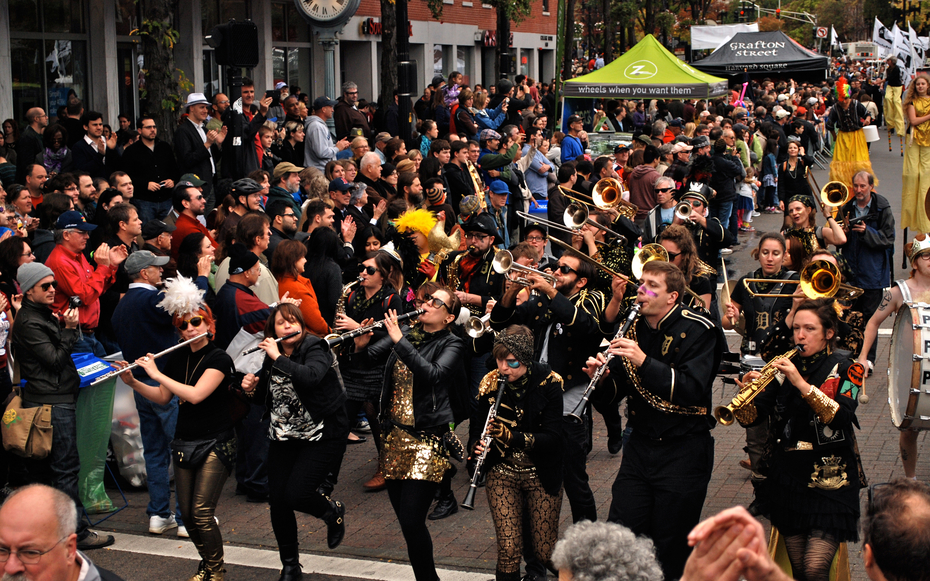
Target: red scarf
x=466 y=268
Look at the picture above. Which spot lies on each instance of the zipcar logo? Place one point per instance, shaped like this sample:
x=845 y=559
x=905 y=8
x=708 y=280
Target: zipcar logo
x=641 y=70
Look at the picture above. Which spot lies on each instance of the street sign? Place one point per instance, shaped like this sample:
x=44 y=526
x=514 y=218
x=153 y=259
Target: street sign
x=821 y=32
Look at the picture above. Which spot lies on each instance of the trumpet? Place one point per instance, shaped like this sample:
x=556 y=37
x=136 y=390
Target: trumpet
x=577 y=215
x=485 y=440
x=631 y=317
x=504 y=263
x=554 y=226
x=133 y=365
x=819 y=279
x=683 y=212
x=477 y=326
x=647 y=253
x=725 y=414
x=334 y=339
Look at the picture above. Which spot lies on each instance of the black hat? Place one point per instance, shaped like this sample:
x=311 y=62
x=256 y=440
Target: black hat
x=240 y=259
x=700 y=141
x=154 y=228
x=535 y=226
x=485 y=224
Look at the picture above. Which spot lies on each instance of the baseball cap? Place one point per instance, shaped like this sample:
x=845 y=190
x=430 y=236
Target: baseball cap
x=280 y=85
x=192 y=179
x=783 y=97
x=812 y=101
x=574 y=119
x=801 y=110
x=321 y=102
x=339 y=185
x=141 y=259
x=643 y=138
x=679 y=147
x=700 y=141
x=285 y=167
x=674 y=123
x=153 y=228
x=500 y=188
x=621 y=148
x=73 y=221
x=781 y=114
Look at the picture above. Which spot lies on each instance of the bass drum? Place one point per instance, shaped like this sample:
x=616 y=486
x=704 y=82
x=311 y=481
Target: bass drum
x=909 y=368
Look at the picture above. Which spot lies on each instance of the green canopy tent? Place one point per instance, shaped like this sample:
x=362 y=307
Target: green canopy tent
x=646 y=71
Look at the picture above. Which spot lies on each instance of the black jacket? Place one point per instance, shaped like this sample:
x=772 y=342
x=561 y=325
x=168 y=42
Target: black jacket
x=43 y=351
x=145 y=165
x=727 y=169
x=191 y=155
x=88 y=159
x=484 y=281
x=314 y=376
x=239 y=155
x=440 y=392
x=541 y=418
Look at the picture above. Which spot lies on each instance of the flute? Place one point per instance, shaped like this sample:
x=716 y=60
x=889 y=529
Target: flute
x=278 y=340
x=107 y=376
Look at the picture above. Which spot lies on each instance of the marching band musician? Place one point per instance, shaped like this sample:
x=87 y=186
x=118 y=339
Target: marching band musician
x=915 y=289
x=665 y=369
x=423 y=391
x=813 y=474
x=568 y=322
x=524 y=462
x=682 y=252
x=380 y=280
x=709 y=234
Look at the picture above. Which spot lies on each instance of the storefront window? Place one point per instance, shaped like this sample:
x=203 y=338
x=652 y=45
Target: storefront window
x=24 y=16
x=278 y=25
x=63 y=16
x=463 y=62
x=437 y=59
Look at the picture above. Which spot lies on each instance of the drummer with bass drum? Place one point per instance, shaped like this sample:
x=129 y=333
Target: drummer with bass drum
x=915 y=289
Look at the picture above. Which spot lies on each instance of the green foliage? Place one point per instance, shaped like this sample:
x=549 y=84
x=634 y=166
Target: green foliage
x=159 y=32
x=174 y=82
x=665 y=21
x=516 y=10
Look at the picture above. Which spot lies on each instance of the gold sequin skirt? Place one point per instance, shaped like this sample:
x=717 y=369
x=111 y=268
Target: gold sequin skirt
x=405 y=457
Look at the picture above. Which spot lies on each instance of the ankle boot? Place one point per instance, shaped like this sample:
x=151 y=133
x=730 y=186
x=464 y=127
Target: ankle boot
x=447 y=506
x=290 y=560
x=201 y=573
x=501 y=576
x=335 y=523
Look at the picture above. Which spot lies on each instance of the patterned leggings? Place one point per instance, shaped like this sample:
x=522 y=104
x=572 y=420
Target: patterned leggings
x=811 y=555
x=509 y=494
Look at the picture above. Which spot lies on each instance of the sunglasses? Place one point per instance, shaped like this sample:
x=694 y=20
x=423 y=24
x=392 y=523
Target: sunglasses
x=369 y=270
x=193 y=321
x=664 y=189
x=565 y=269
x=46 y=285
x=673 y=255
x=432 y=301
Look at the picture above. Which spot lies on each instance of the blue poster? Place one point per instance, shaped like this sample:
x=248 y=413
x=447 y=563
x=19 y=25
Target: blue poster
x=583 y=107
x=57 y=97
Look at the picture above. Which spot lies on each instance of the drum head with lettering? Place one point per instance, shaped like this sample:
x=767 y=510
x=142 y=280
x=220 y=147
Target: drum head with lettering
x=902 y=369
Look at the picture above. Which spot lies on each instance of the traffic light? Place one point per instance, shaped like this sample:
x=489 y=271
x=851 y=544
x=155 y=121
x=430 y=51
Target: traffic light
x=778 y=13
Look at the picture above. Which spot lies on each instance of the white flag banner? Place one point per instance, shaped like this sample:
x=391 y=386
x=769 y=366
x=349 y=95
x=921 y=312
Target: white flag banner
x=882 y=36
x=902 y=50
x=835 y=40
x=918 y=52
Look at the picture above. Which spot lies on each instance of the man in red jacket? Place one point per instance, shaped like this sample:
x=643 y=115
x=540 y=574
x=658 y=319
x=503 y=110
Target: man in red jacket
x=189 y=203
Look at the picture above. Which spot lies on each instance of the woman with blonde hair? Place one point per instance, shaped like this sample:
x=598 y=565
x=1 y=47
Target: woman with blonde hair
x=915 y=180
x=689 y=128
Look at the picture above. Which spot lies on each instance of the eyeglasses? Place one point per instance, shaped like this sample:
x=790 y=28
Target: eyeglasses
x=193 y=321
x=351 y=92
x=534 y=239
x=27 y=556
x=476 y=236
x=565 y=269
x=30 y=253
x=369 y=270
x=45 y=285
x=291 y=215
x=432 y=301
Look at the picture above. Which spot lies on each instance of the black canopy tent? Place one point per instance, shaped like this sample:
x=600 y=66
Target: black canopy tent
x=764 y=54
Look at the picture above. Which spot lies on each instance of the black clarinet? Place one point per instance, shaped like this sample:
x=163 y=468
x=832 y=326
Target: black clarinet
x=485 y=440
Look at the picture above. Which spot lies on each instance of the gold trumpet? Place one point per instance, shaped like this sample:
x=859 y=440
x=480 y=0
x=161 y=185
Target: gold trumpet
x=725 y=414
x=577 y=215
x=573 y=231
x=477 y=326
x=503 y=263
x=683 y=212
x=647 y=253
x=819 y=279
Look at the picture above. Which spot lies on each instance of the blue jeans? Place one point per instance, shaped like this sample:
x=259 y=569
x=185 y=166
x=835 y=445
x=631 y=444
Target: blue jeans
x=157 y=423
x=151 y=210
x=61 y=467
x=89 y=344
x=722 y=212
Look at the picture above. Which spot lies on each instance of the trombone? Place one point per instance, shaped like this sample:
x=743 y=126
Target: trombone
x=585 y=258
x=504 y=263
x=834 y=195
x=573 y=231
x=577 y=215
x=819 y=279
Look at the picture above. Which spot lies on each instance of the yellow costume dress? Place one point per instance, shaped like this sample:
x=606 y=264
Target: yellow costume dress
x=915 y=180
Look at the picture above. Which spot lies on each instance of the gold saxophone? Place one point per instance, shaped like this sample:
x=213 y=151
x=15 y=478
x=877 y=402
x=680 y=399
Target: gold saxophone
x=726 y=414
x=477 y=184
x=341 y=309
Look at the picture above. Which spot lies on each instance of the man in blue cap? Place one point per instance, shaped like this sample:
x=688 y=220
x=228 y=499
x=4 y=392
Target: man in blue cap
x=497 y=207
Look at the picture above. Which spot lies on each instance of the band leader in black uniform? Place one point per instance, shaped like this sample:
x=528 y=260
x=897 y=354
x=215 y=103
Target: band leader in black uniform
x=568 y=322
x=424 y=379
x=709 y=234
x=813 y=472
x=665 y=367
x=524 y=462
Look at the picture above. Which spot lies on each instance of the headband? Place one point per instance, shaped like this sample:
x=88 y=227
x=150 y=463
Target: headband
x=804 y=199
x=520 y=346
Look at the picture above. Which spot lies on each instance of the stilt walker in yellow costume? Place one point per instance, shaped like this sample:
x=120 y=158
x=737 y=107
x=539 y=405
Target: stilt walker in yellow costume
x=850 y=155
x=915 y=180
x=894 y=113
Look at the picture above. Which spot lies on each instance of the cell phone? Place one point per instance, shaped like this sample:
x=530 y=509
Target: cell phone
x=275 y=97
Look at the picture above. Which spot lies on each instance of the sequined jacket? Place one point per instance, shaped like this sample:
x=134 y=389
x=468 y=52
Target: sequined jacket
x=537 y=426
x=438 y=368
x=314 y=377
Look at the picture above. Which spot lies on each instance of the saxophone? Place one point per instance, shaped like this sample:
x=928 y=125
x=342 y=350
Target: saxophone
x=726 y=414
x=476 y=183
x=341 y=309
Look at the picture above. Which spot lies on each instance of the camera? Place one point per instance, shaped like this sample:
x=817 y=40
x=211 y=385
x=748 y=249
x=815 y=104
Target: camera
x=74 y=302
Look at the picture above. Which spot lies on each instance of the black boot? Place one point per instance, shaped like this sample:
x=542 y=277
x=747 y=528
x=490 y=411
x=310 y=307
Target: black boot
x=500 y=576
x=335 y=523
x=447 y=506
x=290 y=560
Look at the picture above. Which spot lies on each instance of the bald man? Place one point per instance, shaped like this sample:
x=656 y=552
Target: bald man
x=29 y=144
x=38 y=538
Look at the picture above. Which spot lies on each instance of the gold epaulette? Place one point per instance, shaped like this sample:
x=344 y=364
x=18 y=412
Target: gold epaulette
x=488 y=384
x=555 y=377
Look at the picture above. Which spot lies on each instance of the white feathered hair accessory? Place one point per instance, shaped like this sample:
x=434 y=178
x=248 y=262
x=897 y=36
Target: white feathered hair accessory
x=181 y=296
x=464 y=315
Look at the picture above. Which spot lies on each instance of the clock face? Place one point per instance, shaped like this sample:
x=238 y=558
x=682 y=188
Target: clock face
x=327 y=11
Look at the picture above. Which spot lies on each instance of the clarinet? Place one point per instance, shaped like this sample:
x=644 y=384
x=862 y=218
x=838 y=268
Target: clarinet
x=631 y=317
x=485 y=440
x=335 y=339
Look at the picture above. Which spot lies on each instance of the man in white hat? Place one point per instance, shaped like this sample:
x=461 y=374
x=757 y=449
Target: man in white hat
x=194 y=145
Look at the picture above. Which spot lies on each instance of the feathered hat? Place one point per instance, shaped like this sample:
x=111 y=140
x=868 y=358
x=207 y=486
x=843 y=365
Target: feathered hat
x=181 y=297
